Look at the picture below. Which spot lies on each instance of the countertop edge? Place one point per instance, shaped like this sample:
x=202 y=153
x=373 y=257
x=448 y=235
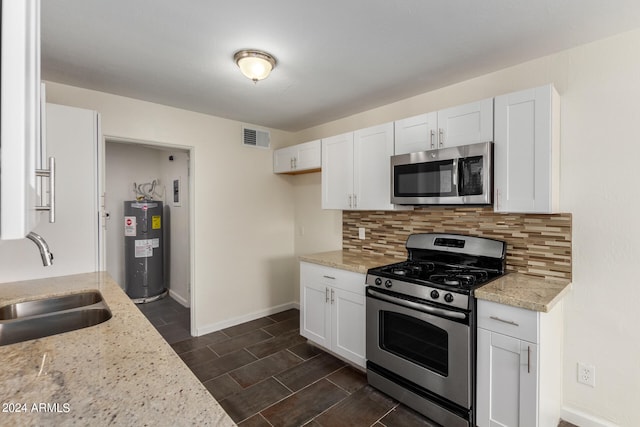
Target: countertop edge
x=524 y=291
x=514 y=289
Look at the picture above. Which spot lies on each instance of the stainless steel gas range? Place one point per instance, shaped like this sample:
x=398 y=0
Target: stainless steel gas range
x=421 y=323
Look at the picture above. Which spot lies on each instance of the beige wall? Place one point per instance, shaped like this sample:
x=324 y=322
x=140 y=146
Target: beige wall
x=243 y=215
x=600 y=88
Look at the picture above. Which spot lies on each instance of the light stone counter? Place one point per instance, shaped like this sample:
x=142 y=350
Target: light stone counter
x=120 y=372
x=521 y=290
x=351 y=261
x=515 y=289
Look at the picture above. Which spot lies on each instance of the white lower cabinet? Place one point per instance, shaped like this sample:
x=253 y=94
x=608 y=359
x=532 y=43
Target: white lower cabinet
x=332 y=310
x=519 y=365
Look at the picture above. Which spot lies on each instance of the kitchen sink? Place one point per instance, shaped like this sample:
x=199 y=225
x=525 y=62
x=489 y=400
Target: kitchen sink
x=49 y=305
x=44 y=317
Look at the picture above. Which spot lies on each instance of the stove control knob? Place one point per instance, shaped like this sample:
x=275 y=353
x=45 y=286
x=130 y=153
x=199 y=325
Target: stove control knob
x=448 y=298
x=435 y=294
x=378 y=281
x=387 y=283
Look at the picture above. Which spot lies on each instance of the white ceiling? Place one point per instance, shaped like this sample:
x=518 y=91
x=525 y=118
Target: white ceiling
x=335 y=57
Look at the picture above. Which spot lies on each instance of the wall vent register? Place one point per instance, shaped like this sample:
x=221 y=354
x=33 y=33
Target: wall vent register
x=255 y=137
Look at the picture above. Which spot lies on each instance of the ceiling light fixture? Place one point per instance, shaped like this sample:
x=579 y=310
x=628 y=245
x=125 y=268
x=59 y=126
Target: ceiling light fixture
x=255 y=64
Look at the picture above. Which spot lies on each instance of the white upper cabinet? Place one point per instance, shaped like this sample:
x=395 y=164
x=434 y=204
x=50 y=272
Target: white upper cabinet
x=417 y=133
x=373 y=148
x=298 y=158
x=466 y=124
x=337 y=171
x=20 y=111
x=526 y=151
x=460 y=125
x=356 y=169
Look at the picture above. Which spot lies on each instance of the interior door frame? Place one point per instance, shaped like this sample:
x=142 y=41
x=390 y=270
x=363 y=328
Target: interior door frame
x=191 y=188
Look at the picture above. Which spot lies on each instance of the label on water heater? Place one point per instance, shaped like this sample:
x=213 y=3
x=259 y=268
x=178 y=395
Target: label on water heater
x=155 y=243
x=144 y=248
x=156 y=222
x=129 y=225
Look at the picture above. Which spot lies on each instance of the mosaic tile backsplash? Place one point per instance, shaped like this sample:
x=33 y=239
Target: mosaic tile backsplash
x=538 y=245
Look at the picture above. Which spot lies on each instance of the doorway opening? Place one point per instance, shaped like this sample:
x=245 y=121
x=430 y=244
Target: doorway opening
x=165 y=171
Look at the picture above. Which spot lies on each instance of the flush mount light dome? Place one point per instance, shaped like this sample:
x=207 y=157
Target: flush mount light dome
x=254 y=64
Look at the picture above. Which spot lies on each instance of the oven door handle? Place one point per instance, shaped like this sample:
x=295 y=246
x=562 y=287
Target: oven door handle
x=417 y=306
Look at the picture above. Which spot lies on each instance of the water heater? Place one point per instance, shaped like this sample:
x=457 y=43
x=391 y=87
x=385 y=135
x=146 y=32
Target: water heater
x=143 y=250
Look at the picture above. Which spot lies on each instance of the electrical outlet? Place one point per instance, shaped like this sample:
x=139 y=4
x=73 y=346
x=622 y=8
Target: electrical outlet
x=361 y=234
x=586 y=374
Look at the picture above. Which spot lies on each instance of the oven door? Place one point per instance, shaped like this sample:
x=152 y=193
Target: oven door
x=432 y=350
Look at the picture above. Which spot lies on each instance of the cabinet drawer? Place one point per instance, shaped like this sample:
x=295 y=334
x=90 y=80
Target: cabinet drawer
x=334 y=277
x=512 y=321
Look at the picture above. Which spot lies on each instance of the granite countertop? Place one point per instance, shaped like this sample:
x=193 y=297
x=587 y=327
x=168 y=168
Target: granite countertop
x=515 y=289
x=351 y=261
x=120 y=372
x=521 y=290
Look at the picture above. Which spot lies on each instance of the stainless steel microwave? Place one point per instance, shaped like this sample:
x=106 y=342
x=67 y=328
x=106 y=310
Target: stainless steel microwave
x=461 y=175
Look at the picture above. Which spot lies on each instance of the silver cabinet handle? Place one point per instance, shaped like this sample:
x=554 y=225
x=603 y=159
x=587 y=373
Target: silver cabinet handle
x=350 y=200
x=355 y=200
x=441 y=137
x=332 y=294
x=528 y=359
x=432 y=137
x=326 y=294
x=295 y=163
x=508 y=322
x=329 y=277
x=51 y=174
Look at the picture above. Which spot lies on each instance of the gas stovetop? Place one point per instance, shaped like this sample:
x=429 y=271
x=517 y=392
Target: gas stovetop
x=442 y=268
x=457 y=277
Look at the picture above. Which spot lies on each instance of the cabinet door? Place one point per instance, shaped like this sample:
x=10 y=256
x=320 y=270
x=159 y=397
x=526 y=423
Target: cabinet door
x=308 y=156
x=20 y=110
x=283 y=160
x=466 y=124
x=73 y=135
x=416 y=133
x=526 y=151
x=337 y=172
x=373 y=148
x=506 y=381
x=315 y=311
x=348 y=325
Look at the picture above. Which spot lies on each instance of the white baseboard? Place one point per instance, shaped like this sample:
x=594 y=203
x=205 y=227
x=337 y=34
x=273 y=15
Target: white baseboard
x=582 y=419
x=207 y=329
x=183 y=301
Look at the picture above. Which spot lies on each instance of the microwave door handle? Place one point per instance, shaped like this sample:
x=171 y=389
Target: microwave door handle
x=455 y=176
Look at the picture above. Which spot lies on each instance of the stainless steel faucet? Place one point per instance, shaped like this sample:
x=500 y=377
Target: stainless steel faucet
x=45 y=253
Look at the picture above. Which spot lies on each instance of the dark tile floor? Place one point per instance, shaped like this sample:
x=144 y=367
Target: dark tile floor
x=263 y=373
x=169 y=317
